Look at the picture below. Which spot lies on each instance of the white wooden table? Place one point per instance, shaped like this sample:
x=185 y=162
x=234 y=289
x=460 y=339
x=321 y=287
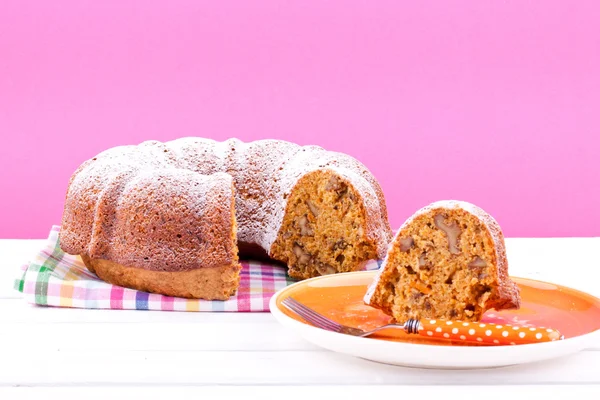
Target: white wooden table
x=71 y=352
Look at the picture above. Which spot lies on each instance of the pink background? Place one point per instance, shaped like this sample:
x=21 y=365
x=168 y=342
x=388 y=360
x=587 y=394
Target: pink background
x=494 y=102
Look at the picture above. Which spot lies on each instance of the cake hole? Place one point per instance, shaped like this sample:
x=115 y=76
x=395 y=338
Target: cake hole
x=427 y=304
x=179 y=235
x=410 y=270
x=391 y=288
x=481 y=289
x=340 y=258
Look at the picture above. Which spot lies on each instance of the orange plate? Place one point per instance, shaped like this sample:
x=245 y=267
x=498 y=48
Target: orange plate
x=340 y=298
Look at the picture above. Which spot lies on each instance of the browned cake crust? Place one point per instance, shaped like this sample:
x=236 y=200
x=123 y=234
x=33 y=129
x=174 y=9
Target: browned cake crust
x=218 y=283
x=174 y=206
x=448 y=261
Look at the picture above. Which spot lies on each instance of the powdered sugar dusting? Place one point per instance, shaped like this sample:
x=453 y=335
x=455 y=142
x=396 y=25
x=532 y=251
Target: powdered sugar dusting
x=264 y=173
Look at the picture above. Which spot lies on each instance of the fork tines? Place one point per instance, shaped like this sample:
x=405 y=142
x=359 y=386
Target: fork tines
x=310 y=315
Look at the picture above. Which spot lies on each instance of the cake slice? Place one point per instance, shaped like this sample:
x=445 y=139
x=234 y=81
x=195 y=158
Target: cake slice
x=447 y=261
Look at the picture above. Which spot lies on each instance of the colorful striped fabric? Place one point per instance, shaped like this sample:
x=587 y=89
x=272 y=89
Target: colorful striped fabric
x=54 y=278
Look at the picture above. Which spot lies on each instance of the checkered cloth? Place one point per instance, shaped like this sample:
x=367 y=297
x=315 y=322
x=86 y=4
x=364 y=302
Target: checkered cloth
x=55 y=278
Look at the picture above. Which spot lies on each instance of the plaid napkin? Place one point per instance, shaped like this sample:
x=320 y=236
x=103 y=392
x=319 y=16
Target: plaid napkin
x=55 y=278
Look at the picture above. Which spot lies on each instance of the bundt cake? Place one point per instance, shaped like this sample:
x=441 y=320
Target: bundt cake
x=169 y=217
x=447 y=261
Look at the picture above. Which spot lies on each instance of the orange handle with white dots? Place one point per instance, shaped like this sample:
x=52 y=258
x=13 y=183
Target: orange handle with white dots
x=486 y=333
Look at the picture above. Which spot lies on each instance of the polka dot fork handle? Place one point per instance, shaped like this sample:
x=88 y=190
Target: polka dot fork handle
x=482 y=333
x=475 y=332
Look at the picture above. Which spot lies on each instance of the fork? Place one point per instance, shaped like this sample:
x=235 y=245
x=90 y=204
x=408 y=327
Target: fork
x=475 y=332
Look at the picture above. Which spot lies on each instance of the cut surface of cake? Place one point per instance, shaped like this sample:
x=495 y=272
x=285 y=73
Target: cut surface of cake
x=170 y=217
x=447 y=261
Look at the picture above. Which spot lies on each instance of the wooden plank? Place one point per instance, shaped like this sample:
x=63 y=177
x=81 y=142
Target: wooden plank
x=17 y=311
x=264 y=334
x=267 y=368
x=346 y=392
x=210 y=331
